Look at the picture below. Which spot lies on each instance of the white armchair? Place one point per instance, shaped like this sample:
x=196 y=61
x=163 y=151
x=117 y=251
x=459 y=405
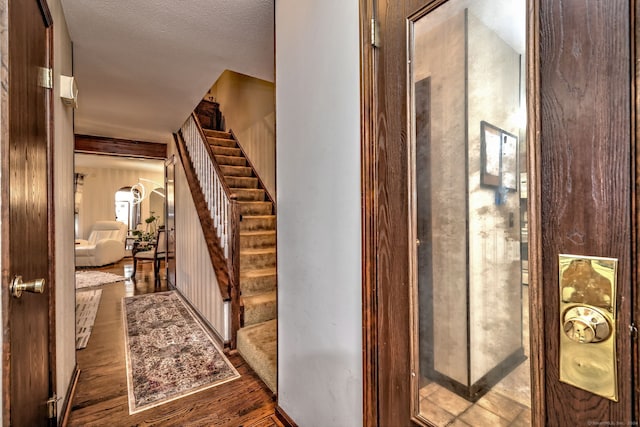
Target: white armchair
x=104 y=246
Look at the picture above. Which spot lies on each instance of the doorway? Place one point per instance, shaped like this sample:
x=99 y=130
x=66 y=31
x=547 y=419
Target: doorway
x=422 y=279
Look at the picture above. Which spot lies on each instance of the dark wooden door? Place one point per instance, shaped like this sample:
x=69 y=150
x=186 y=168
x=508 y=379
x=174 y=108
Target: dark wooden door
x=585 y=196
x=27 y=234
x=579 y=75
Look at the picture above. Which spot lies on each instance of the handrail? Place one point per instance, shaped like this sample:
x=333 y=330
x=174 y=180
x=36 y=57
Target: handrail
x=223 y=212
x=261 y=184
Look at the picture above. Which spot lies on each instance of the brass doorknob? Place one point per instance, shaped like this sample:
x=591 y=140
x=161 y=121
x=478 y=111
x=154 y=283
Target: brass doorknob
x=17 y=286
x=585 y=324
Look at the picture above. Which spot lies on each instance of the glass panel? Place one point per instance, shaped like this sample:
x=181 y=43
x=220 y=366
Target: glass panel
x=470 y=293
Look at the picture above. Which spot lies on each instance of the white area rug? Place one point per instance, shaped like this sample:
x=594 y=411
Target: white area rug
x=88 y=278
x=87 y=303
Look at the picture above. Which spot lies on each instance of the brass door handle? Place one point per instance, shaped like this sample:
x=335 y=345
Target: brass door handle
x=584 y=324
x=17 y=286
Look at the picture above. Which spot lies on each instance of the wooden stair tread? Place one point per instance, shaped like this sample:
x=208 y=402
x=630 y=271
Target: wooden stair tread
x=259 y=272
x=258 y=233
x=231 y=160
x=217 y=133
x=247 y=181
x=226 y=155
x=258 y=251
x=253 y=202
x=221 y=142
x=259 y=298
x=258 y=216
x=246 y=190
x=236 y=171
x=226 y=151
x=248 y=194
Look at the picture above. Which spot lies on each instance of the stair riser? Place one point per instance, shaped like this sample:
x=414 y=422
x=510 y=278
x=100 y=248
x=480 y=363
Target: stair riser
x=241 y=182
x=254 y=285
x=252 y=261
x=222 y=142
x=256 y=242
x=259 y=313
x=235 y=170
x=226 y=151
x=256 y=208
x=217 y=134
x=249 y=195
x=257 y=224
x=231 y=161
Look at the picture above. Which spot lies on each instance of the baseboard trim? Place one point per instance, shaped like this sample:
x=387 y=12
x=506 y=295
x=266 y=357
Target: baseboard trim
x=284 y=418
x=216 y=336
x=66 y=409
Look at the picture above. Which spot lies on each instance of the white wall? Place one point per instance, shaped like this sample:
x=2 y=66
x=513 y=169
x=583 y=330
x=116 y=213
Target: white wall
x=195 y=276
x=63 y=205
x=319 y=224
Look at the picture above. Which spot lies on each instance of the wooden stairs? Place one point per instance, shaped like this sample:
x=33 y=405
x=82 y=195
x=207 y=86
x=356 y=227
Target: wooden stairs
x=256 y=338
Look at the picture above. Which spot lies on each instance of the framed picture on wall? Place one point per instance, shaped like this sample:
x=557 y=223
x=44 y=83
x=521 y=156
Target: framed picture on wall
x=498 y=157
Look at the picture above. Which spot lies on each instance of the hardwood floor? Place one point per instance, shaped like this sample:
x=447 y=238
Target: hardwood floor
x=101 y=394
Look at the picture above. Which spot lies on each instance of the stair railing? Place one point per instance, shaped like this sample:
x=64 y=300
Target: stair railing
x=222 y=214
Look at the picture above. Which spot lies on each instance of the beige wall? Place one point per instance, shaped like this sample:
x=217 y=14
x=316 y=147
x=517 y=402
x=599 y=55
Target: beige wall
x=63 y=205
x=248 y=108
x=100 y=186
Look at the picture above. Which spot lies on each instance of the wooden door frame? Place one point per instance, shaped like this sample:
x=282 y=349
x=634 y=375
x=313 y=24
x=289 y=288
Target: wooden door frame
x=375 y=205
x=4 y=214
x=368 y=66
x=635 y=191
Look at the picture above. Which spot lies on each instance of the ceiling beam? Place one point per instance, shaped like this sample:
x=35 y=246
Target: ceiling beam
x=119 y=147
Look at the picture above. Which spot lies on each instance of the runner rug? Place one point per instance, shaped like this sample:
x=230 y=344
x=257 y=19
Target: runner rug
x=88 y=278
x=87 y=303
x=170 y=354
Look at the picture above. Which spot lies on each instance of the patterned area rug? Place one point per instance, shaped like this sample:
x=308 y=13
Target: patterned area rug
x=170 y=354
x=87 y=303
x=88 y=278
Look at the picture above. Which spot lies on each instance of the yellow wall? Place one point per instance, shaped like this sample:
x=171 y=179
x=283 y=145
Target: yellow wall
x=248 y=108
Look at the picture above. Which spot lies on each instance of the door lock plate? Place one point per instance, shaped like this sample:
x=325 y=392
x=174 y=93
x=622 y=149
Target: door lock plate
x=587 y=324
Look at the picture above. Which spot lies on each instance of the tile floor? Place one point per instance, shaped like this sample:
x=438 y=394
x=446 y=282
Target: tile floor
x=507 y=404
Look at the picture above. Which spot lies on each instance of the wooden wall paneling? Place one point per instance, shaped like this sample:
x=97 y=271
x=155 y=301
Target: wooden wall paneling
x=585 y=207
x=119 y=147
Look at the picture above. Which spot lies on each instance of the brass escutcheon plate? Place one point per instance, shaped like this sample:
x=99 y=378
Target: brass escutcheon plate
x=587 y=323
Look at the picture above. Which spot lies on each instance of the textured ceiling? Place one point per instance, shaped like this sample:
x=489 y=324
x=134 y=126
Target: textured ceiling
x=141 y=67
